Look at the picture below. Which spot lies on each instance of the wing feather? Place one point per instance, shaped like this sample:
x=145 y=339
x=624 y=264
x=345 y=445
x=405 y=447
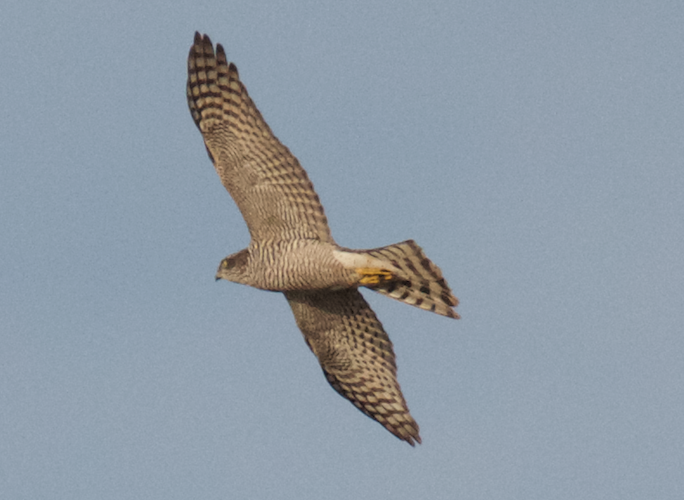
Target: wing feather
x=356 y=355
x=269 y=186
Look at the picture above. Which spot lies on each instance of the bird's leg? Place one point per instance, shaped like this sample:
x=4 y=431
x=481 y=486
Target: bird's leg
x=373 y=276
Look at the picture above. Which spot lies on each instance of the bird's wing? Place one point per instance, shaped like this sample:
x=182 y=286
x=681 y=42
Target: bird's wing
x=356 y=355
x=269 y=186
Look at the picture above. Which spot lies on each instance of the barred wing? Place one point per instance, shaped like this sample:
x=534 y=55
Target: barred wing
x=269 y=186
x=356 y=355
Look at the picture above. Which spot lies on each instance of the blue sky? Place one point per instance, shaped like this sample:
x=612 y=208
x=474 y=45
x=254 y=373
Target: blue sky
x=536 y=153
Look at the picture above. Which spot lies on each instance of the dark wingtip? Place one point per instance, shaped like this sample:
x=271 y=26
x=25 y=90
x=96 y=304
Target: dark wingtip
x=202 y=40
x=412 y=439
x=200 y=44
x=221 y=54
x=407 y=431
x=453 y=314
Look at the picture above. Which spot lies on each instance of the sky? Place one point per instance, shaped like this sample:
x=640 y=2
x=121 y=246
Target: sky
x=533 y=149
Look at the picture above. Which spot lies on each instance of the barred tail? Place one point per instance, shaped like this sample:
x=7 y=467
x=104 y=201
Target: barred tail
x=420 y=282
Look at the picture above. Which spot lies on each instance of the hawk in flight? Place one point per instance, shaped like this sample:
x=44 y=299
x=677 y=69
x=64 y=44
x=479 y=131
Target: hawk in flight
x=292 y=251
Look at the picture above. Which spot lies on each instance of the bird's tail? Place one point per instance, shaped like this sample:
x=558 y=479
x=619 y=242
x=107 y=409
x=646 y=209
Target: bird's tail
x=418 y=282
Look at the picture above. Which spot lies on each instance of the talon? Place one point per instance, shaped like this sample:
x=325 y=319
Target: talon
x=374 y=276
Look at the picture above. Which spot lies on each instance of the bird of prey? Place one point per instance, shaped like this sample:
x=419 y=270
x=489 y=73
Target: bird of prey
x=292 y=251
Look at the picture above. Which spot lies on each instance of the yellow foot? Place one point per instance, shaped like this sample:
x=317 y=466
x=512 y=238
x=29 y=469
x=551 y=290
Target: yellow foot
x=373 y=275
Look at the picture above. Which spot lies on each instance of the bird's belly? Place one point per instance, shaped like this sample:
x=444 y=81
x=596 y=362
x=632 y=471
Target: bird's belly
x=310 y=267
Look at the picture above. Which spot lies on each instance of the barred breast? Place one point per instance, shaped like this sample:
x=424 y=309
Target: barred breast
x=299 y=265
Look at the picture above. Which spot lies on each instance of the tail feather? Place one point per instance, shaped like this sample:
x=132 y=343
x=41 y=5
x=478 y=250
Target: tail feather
x=419 y=283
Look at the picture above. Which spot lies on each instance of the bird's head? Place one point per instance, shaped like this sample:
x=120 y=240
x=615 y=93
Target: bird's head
x=235 y=267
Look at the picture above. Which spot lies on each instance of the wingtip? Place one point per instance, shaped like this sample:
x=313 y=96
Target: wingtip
x=202 y=38
x=221 y=54
x=199 y=47
x=408 y=432
x=412 y=440
x=203 y=46
x=201 y=43
x=453 y=314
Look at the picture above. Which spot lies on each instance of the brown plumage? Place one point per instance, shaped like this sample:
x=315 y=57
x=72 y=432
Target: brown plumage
x=420 y=282
x=268 y=184
x=292 y=249
x=356 y=355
